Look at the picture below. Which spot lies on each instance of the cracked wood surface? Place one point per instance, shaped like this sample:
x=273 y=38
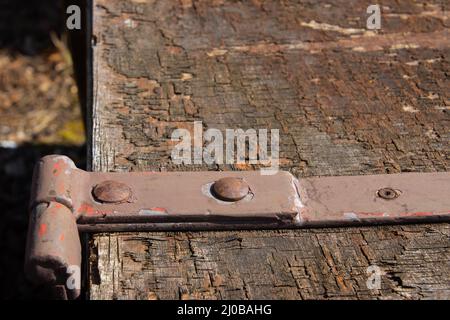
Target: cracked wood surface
x=347 y=101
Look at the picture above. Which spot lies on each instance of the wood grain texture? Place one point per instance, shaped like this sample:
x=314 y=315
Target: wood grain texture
x=347 y=101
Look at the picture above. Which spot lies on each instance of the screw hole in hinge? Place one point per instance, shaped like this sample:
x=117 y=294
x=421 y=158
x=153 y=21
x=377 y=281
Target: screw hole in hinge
x=388 y=193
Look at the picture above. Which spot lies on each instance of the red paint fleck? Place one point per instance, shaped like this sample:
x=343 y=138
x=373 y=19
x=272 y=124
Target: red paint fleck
x=42 y=230
x=55 y=208
x=418 y=214
x=86 y=209
x=58 y=167
x=61 y=237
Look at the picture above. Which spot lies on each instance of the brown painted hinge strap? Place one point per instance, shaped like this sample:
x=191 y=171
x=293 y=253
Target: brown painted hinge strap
x=66 y=199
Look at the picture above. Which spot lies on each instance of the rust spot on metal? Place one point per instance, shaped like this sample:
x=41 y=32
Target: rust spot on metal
x=388 y=193
x=111 y=192
x=230 y=189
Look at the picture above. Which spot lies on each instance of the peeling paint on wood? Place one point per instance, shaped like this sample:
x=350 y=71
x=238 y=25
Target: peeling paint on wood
x=347 y=102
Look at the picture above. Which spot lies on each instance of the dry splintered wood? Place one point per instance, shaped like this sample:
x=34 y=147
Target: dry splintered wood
x=347 y=101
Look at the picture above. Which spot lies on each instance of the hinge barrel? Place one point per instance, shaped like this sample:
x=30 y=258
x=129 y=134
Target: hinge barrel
x=53 y=253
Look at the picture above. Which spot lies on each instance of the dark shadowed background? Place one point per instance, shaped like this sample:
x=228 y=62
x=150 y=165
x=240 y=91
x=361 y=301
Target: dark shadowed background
x=39 y=115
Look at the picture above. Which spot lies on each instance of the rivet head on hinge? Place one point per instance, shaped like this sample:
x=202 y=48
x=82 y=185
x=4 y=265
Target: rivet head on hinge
x=388 y=193
x=111 y=192
x=230 y=189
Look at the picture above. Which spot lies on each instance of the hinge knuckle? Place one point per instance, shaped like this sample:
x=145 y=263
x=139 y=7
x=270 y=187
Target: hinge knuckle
x=52 y=181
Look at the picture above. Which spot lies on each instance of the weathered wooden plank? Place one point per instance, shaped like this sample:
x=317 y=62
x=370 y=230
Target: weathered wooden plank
x=346 y=101
x=309 y=264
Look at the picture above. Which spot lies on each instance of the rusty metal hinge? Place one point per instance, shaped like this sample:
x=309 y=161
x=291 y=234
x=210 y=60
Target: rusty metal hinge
x=67 y=200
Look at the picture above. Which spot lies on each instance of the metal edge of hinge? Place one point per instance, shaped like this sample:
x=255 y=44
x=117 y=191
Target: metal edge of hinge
x=66 y=200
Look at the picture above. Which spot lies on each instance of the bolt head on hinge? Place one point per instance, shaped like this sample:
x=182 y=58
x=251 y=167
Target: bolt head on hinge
x=111 y=192
x=230 y=189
